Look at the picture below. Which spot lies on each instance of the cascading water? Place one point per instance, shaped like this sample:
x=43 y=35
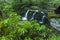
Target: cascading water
x=55 y=23
x=34 y=14
x=42 y=18
x=26 y=14
x=41 y=21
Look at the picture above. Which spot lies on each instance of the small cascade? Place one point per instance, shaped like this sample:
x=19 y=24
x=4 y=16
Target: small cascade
x=26 y=14
x=55 y=24
x=34 y=14
x=42 y=18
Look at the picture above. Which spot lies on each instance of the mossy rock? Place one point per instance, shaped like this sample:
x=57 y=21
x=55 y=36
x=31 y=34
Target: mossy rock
x=34 y=7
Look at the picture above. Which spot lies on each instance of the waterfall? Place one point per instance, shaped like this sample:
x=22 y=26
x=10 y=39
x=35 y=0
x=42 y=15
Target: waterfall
x=34 y=14
x=55 y=23
x=25 y=16
x=42 y=18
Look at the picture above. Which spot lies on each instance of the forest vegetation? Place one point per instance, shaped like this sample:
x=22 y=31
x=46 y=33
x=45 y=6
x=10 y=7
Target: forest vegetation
x=13 y=28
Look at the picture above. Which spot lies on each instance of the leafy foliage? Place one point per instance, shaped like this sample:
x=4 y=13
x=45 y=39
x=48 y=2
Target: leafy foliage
x=25 y=30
